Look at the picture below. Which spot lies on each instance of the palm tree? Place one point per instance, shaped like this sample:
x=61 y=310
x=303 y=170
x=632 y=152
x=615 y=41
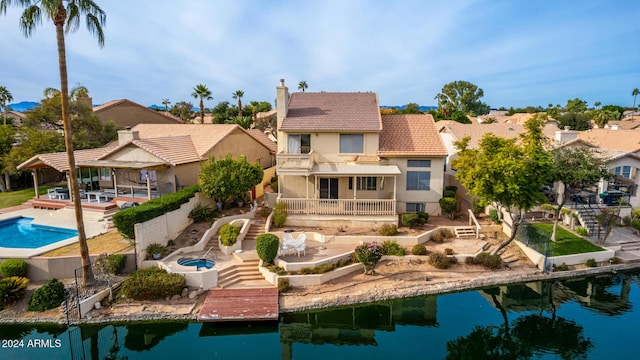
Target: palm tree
x=78 y=91
x=302 y=85
x=597 y=104
x=635 y=93
x=238 y=95
x=69 y=16
x=201 y=91
x=5 y=97
x=166 y=103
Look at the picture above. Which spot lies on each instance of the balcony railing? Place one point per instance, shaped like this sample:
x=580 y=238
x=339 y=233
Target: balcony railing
x=294 y=161
x=340 y=206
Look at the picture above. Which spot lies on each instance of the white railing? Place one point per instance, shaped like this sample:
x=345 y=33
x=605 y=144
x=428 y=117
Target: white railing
x=340 y=206
x=294 y=161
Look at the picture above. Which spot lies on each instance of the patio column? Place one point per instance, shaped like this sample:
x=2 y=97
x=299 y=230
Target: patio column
x=69 y=184
x=148 y=184
x=354 y=187
x=395 y=185
x=115 y=182
x=34 y=173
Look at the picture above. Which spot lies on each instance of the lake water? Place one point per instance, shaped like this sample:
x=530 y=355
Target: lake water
x=594 y=318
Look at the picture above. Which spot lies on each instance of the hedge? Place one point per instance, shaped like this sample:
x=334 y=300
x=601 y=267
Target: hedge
x=14 y=267
x=152 y=283
x=124 y=220
x=48 y=296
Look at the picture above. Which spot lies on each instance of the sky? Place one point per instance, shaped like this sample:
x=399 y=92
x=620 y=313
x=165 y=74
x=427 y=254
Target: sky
x=519 y=52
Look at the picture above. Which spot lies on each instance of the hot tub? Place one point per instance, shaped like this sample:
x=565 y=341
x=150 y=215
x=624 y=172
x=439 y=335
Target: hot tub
x=198 y=263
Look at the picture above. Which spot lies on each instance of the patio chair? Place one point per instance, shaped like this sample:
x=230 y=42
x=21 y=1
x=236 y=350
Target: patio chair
x=299 y=244
x=301 y=248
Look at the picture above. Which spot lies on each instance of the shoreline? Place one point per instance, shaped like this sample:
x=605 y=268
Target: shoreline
x=346 y=296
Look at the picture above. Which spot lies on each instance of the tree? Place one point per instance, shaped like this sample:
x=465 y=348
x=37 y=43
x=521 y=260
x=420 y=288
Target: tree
x=5 y=97
x=597 y=104
x=411 y=108
x=166 y=103
x=238 y=94
x=463 y=96
x=242 y=121
x=68 y=16
x=183 y=110
x=635 y=93
x=506 y=172
x=574 y=168
x=602 y=117
x=459 y=116
x=574 y=120
x=576 y=105
x=302 y=85
x=203 y=93
x=227 y=178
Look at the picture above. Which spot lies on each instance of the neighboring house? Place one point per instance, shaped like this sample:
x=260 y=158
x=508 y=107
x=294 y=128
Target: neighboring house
x=17 y=117
x=126 y=113
x=154 y=159
x=341 y=162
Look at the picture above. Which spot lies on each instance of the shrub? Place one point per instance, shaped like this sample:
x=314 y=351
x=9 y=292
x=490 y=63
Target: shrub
x=343 y=262
x=448 y=251
x=267 y=247
x=229 y=234
x=493 y=215
x=48 y=296
x=388 y=230
x=449 y=205
x=476 y=206
x=410 y=219
x=112 y=264
x=124 y=220
x=151 y=284
x=437 y=237
x=12 y=289
x=615 y=260
x=493 y=262
x=202 y=213
x=419 y=249
x=156 y=249
x=582 y=231
x=424 y=217
x=441 y=261
x=368 y=254
x=591 y=263
x=391 y=247
x=280 y=214
x=447 y=234
x=283 y=285
x=324 y=268
x=635 y=224
x=626 y=220
x=14 y=267
x=276 y=269
x=561 y=267
x=451 y=188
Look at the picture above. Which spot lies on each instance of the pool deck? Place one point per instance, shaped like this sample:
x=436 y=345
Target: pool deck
x=57 y=218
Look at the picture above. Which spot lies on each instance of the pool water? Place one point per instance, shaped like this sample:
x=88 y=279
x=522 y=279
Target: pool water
x=20 y=232
x=199 y=263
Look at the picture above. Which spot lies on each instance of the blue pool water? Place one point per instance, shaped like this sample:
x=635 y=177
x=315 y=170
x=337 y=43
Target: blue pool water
x=199 y=263
x=20 y=232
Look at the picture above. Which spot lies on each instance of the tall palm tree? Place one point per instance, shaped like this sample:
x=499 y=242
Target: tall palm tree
x=65 y=13
x=166 y=103
x=5 y=97
x=635 y=93
x=78 y=91
x=302 y=85
x=238 y=94
x=597 y=104
x=201 y=91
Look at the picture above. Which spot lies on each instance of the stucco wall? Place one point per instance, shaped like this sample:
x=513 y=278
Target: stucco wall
x=45 y=268
x=430 y=197
x=326 y=146
x=240 y=143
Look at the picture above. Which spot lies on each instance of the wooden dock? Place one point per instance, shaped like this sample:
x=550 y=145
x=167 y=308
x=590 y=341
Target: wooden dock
x=248 y=304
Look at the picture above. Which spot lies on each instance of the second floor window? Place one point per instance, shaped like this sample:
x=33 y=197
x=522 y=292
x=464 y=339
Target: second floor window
x=624 y=171
x=352 y=143
x=418 y=180
x=299 y=143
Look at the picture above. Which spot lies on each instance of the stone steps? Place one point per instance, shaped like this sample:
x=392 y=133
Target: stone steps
x=465 y=231
x=238 y=273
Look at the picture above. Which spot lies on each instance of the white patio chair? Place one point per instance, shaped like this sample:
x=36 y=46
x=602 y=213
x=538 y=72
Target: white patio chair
x=301 y=248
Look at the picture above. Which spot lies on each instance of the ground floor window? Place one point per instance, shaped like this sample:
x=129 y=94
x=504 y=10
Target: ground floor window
x=364 y=183
x=416 y=207
x=624 y=171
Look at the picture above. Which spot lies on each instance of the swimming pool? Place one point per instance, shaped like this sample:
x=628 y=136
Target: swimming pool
x=20 y=232
x=198 y=263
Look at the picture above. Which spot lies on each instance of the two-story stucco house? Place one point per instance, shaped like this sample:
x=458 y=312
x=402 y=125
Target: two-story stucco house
x=340 y=162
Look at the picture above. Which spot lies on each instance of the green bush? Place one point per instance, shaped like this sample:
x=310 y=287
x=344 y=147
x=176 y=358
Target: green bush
x=591 y=263
x=441 y=261
x=493 y=215
x=156 y=248
x=419 y=249
x=388 y=230
x=124 y=220
x=229 y=234
x=14 y=267
x=635 y=224
x=411 y=219
x=582 y=231
x=437 y=237
x=451 y=188
x=343 y=262
x=276 y=269
x=449 y=206
x=12 y=289
x=391 y=247
x=112 y=264
x=283 y=285
x=151 y=284
x=424 y=217
x=202 y=213
x=488 y=261
x=561 y=267
x=368 y=254
x=615 y=261
x=48 y=296
x=280 y=214
x=448 y=251
x=447 y=233
x=267 y=247
x=476 y=206
x=626 y=220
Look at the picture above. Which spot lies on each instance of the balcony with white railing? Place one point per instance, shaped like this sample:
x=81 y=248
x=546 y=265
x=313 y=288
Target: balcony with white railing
x=294 y=162
x=349 y=207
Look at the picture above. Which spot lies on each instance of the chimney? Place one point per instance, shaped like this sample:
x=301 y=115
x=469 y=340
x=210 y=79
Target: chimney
x=85 y=102
x=566 y=135
x=127 y=135
x=614 y=127
x=282 y=107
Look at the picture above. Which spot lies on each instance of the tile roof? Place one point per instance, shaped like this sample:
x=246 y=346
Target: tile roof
x=477 y=131
x=173 y=149
x=203 y=136
x=99 y=108
x=330 y=111
x=617 y=140
x=264 y=139
x=59 y=160
x=410 y=135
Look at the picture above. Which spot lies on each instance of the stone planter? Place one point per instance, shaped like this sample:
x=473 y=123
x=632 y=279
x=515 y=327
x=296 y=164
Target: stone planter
x=228 y=250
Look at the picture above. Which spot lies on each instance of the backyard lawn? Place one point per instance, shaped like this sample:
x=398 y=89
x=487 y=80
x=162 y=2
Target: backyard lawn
x=14 y=198
x=566 y=242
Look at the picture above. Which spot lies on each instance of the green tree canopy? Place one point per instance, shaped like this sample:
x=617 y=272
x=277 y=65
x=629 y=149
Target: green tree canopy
x=463 y=96
x=576 y=105
x=183 y=110
x=574 y=120
x=505 y=171
x=203 y=93
x=227 y=178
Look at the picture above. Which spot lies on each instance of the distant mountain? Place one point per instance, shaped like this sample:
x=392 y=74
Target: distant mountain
x=161 y=107
x=402 y=107
x=23 y=106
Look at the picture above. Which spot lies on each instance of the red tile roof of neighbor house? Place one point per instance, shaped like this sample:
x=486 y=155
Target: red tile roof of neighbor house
x=330 y=111
x=264 y=139
x=617 y=140
x=477 y=131
x=174 y=150
x=410 y=135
